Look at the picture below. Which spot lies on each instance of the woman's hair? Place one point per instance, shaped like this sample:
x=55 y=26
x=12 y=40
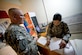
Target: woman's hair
x=57 y=17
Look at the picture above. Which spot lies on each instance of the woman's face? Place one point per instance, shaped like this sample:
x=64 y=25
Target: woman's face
x=56 y=22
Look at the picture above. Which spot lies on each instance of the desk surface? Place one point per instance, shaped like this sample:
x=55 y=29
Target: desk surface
x=45 y=50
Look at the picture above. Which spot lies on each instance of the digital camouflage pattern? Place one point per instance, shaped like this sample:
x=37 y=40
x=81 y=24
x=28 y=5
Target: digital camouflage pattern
x=59 y=31
x=20 y=40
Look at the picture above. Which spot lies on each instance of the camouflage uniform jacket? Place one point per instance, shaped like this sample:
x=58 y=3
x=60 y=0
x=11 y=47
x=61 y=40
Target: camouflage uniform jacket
x=20 y=40
x=60 y=31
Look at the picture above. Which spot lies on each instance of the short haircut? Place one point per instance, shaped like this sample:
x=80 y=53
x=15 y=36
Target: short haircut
x=11 y=10
x=57 y=17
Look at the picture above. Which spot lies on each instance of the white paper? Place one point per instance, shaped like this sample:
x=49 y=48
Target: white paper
x=42 y=40
x=54 y=45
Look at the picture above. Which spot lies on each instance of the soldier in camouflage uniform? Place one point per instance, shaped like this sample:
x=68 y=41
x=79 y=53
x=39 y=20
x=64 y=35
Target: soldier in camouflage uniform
x=17 y=36
x=59 y=29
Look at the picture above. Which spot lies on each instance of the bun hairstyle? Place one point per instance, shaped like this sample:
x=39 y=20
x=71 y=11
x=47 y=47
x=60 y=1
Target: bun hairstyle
x=57 y=17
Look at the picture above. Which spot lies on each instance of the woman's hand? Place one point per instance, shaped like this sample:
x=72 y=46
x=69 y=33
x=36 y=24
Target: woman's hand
x=48 y=42
x=62 y=44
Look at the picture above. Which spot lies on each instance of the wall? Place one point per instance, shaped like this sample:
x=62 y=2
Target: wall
x=75 y=25
x=34 y=6
x=65 y=7
x=5 y=5
x=46 y=9
x=17 y=2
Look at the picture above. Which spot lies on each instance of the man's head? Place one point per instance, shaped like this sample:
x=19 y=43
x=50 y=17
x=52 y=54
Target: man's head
x=57 y=19
x=16 y=15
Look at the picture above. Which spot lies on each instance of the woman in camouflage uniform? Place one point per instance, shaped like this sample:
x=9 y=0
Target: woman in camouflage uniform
x=59 y=29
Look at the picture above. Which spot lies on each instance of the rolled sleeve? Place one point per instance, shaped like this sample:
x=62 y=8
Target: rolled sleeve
x=66 y=37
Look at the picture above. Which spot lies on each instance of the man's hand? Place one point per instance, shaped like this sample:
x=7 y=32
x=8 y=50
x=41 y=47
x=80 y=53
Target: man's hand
x=36 y=38
x=62 y=44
